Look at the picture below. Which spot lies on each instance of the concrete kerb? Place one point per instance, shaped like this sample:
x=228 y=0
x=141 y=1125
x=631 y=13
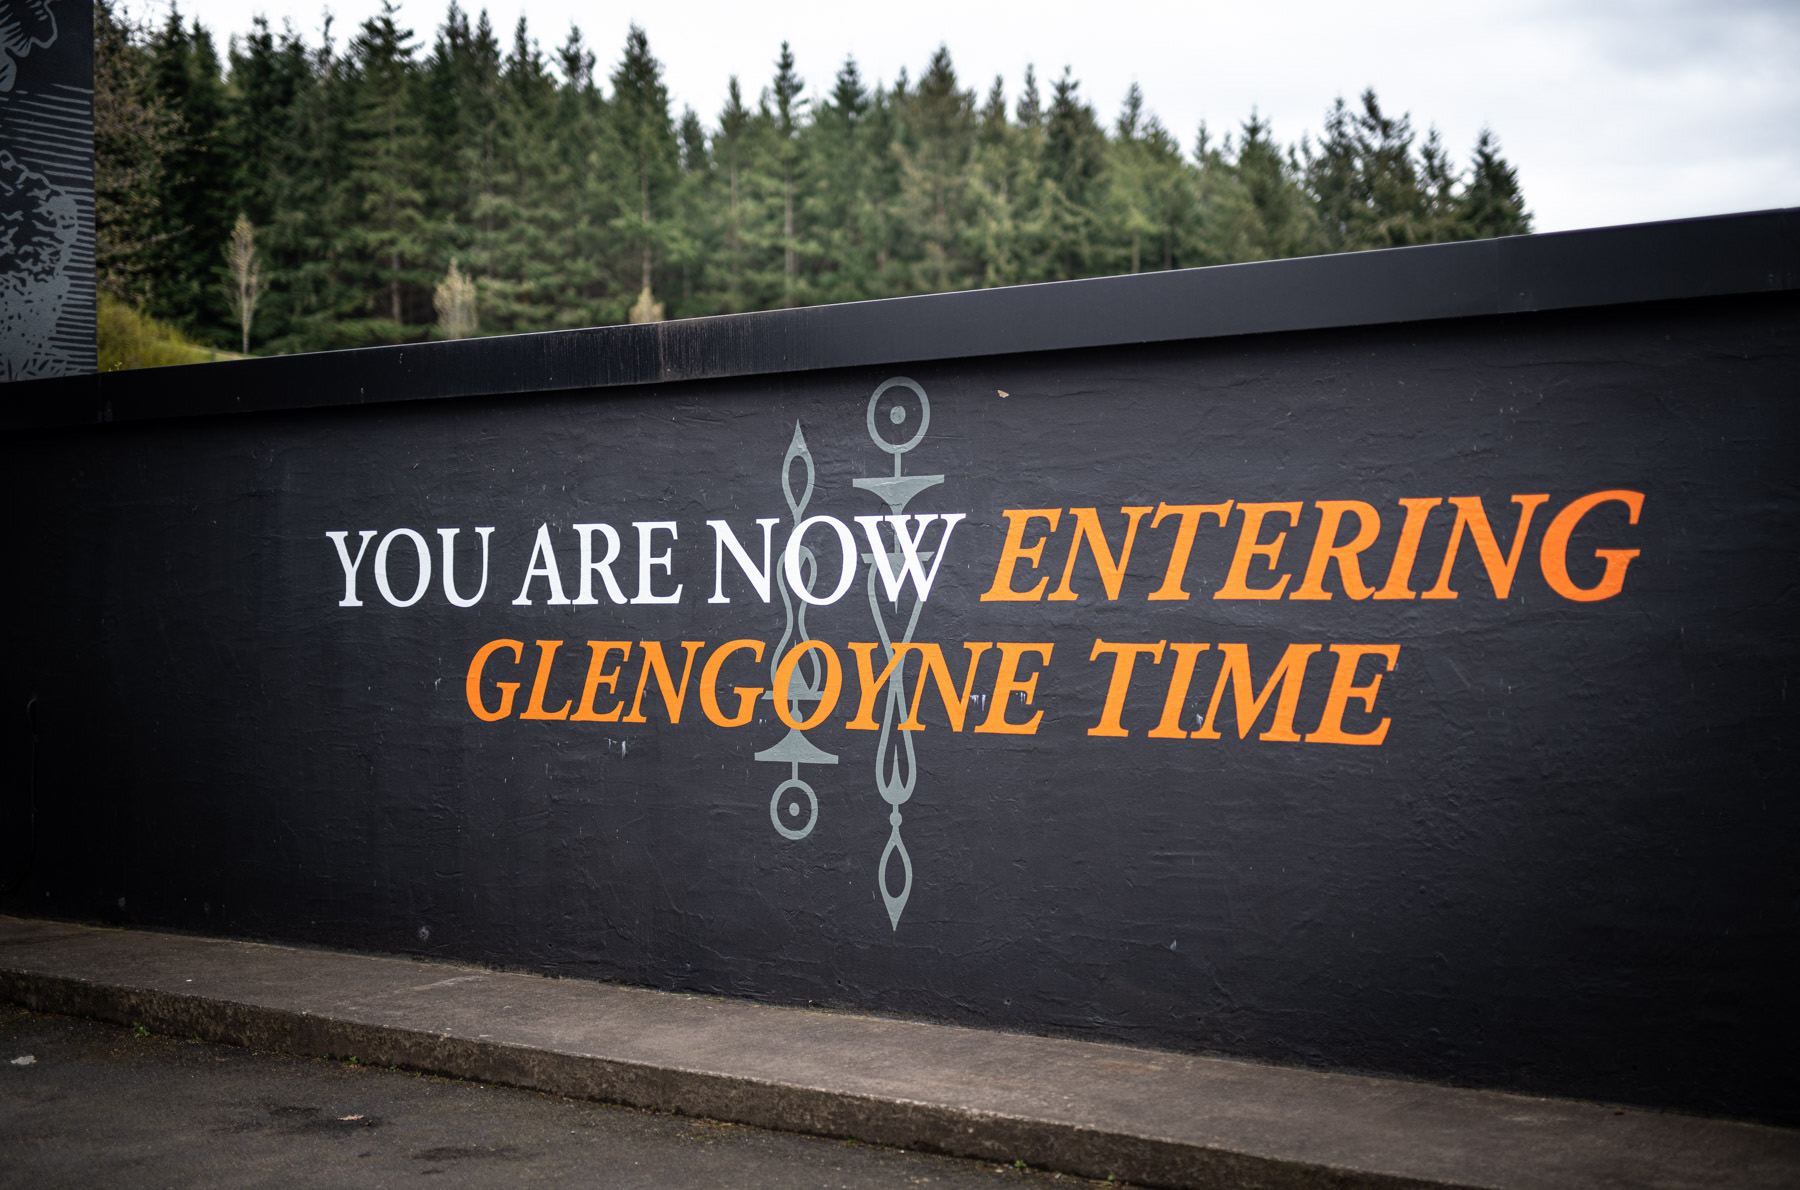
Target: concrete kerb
x=1087 y=1152
x=1234 y=1124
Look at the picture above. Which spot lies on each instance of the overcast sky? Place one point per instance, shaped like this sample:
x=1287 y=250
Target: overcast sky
x=1614 y=111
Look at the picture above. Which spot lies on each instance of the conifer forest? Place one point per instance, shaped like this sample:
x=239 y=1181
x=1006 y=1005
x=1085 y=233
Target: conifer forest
x=384 y=186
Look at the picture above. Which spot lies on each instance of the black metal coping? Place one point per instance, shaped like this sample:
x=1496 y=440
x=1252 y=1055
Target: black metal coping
x=1756 y=252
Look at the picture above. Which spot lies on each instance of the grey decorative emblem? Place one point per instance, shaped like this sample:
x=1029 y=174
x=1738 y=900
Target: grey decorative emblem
x=808 y=684
x=893 y=780
x=896 y=758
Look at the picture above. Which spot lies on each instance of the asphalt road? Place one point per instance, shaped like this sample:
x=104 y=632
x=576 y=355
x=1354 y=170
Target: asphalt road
x=103 y=1106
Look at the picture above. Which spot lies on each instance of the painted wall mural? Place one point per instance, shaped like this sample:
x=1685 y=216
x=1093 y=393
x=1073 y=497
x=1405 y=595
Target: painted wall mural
x=1408 y=699
x=46 y=189
x=810 y=678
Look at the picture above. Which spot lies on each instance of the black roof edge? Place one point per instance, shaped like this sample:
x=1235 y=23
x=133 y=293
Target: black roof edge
x=1754 y=252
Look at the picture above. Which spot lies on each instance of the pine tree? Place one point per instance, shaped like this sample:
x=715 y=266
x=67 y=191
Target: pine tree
x=460 y=105
x=765 y=160
x=782 y=110
x=198 y=207
x=733 y=152
x=1028 y=192
x=266 y=76
x=1437 y=187
x=1228 y=229
x=1151 y=208
x=1394 y=200
x=134 y=133
x=578 y=210
x=1128 y=197
x=994 y=190
x=841 y=212
x=522 y=284
x=1280 y=222
x=1365 y=184
x=390 y=260
x=1030 y=111
x=1332 y=180
x=936 y=147
x=316 y=298
x=643 y=134
x=1493 y=205
x=694 y=217
x=1074 y=176
x=890 y=275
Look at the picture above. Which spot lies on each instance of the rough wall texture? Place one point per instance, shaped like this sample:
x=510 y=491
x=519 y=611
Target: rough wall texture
x=1565 y=867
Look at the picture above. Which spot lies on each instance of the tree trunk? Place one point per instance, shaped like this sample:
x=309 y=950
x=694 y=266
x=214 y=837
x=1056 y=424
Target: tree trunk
x=790 y=264
x=732 y=232
x=644 y=211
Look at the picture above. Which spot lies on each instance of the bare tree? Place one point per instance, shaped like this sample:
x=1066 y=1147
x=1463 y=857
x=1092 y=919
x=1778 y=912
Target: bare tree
x=246 y=285
x=455 y=302
x=647 y=309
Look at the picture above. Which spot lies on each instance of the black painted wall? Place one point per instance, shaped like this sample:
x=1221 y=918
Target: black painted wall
x=1566 y=868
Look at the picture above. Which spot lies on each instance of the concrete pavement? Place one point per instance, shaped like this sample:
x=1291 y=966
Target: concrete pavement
x=1083 y=1108
x=106 y=1105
